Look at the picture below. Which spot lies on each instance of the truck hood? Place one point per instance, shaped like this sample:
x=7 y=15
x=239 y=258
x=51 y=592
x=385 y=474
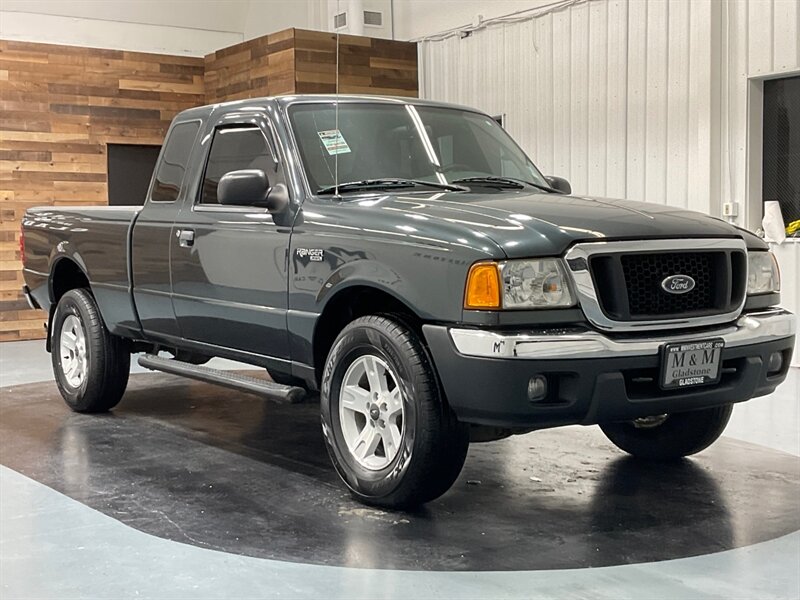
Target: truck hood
x=540 y=224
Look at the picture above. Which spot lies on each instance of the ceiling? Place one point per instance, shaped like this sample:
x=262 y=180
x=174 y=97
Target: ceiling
x=213 y=15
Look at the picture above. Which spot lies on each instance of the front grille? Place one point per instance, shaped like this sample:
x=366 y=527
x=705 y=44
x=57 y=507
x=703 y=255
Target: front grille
x=645 y=272
x=629 y=285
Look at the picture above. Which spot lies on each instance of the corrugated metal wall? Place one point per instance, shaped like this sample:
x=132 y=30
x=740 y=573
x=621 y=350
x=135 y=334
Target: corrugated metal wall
x=598 y=93
x=640 y=99
x=761 y=40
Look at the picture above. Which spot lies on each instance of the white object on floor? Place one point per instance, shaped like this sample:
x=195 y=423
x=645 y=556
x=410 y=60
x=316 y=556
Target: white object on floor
x=774 y=228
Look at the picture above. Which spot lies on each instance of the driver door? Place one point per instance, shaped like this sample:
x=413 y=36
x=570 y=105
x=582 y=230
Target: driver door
x=229 y=261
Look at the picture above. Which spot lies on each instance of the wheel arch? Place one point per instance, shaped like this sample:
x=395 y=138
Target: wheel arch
x=65 y=275
x=349 y=302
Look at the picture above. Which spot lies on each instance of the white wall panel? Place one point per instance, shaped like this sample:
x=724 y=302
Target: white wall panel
x=764 y=42
x=759 y=29
x=597 y=113
x=539 y=117
x=737 y=54
x=598 y=92
x=481 y=79
x=637 y=100
x=703 y=156
x=786 y=42
x=579 y=97
x=634 y=88
x=617 y=100
x=678 y=98
x=417 y=18
x=562 y=94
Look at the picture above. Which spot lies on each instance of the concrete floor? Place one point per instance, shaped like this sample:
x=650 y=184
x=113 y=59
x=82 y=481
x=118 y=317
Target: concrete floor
x=80 y=543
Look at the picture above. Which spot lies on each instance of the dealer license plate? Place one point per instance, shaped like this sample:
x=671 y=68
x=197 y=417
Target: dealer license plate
x=686 y=364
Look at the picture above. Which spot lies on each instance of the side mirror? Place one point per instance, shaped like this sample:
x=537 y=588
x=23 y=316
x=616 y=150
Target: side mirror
x=247 y=187
x=559 y=183
x=277 y=199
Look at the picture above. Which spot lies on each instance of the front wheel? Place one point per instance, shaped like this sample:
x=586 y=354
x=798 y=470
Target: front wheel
x=669 y=437
x=390 y=433
x=90 y=365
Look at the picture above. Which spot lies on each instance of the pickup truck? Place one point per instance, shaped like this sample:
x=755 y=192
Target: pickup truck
x=406 y=260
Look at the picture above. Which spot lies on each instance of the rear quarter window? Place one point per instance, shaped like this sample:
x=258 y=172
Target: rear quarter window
x=172 y=168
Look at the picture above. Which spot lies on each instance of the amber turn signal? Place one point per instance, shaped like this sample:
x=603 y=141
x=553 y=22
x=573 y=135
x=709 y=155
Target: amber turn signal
x=483 y=286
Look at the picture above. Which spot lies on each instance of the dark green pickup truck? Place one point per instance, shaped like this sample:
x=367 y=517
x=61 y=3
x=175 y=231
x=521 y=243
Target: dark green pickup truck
x=407 y=260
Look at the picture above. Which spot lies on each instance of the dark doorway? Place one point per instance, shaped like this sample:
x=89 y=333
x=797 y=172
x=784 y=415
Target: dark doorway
x=130 y=167
x=781 y=174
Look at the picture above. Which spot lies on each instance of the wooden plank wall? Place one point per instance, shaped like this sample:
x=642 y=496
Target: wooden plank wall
x=61 y=105
x=260 y=67
x=304 y=62
x=366 y=65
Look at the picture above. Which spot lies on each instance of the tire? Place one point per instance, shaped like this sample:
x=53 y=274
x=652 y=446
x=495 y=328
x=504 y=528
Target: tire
x=679 y=435
x=431 y=445
x=106 y=362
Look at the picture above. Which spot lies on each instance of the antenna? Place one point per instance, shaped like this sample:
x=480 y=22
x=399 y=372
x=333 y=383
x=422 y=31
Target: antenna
x=336 y=113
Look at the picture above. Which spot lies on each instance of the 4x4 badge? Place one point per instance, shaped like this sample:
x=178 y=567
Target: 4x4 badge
x=678 y=284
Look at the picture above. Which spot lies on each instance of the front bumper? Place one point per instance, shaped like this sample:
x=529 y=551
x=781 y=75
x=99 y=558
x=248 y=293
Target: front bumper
x=596 y=377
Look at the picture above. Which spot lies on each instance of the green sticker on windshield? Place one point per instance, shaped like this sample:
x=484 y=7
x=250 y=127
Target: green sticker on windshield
x=333 y=141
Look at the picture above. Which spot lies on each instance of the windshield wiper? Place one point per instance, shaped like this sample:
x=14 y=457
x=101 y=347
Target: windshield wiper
x=387 y=184
x=506 y=182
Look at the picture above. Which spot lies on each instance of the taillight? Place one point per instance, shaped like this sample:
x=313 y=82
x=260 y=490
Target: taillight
x=22 y=245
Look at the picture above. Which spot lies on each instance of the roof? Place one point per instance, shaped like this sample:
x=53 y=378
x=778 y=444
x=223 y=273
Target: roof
x=286 y=100
x=202 y=111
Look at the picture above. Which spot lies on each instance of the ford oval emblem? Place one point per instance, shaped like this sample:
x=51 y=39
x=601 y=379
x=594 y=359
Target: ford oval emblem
x=678 y=284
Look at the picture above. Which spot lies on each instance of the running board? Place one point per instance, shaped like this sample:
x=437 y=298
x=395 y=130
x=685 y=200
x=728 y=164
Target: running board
x=267 y=389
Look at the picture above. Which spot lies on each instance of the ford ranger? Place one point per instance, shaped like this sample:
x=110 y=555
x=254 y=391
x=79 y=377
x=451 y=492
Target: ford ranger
x=408 y=261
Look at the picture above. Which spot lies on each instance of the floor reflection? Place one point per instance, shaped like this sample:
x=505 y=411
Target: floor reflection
x=215 y=468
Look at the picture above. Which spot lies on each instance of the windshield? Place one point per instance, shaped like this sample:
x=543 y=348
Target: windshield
x=402 y=141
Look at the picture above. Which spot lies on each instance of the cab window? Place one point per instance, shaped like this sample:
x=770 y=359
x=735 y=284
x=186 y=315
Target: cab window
x=171 y=170
x=234 y=149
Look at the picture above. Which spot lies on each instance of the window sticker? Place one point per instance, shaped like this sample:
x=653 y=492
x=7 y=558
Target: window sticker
x=334 y=142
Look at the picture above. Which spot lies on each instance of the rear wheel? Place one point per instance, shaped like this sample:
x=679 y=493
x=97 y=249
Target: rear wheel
x=668 y=437
x=90 y=365
x=390 y=434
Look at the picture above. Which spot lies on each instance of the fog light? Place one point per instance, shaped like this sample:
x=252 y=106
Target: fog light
x=537 y=388
x=775 y=363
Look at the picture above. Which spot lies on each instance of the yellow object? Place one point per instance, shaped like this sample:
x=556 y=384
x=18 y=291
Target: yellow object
x=793 y=227
x=483 y=286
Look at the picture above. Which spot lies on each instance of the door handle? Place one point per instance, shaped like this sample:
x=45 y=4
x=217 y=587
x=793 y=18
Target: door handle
x=186 y=238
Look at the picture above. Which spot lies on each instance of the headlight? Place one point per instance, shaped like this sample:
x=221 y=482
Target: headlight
x=529 y=283
x=763 y=275
x=540 y=283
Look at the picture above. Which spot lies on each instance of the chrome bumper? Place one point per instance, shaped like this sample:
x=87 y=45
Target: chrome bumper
x=752 y=328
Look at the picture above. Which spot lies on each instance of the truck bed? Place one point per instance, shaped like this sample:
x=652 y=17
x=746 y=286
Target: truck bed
x=97 y=239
